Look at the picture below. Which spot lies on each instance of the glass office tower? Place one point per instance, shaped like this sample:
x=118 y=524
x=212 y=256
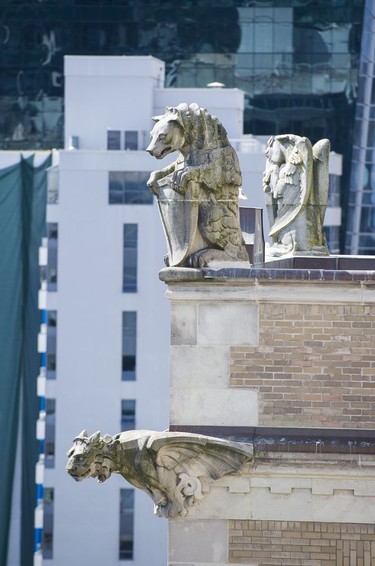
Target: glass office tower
x=296 y=60
x=360 y=234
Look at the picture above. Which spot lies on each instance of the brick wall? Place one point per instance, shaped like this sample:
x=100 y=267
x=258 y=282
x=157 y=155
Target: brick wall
x=289 y=543
x=314 y=365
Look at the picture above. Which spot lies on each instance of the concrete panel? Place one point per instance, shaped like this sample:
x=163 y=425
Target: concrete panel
x=183 y=324
x=199 y=366
x=343 y=507
x=220 y=407
x=197 y=542
x=228 y=323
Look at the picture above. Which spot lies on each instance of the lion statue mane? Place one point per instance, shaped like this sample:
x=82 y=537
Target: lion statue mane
x=198 y=193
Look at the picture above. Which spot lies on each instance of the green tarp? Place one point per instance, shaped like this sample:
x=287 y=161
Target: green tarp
x=22 y=225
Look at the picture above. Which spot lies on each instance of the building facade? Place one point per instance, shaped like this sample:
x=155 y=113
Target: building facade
x=361 y=202
x=107 y=322
x=105 y=332
x=297 y=61
x=291 y=350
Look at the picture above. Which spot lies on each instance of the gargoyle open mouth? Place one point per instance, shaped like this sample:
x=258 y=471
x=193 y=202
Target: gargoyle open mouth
x=81 y=476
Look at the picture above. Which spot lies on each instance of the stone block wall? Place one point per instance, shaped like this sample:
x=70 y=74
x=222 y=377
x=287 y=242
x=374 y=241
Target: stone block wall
x=267 y=349
x=292 y=543
x=314 y=365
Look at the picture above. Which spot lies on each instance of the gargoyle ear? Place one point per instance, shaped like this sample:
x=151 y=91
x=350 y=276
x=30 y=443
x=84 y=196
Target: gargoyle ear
x=94 y=437
x=156 y=118
x=82 y=435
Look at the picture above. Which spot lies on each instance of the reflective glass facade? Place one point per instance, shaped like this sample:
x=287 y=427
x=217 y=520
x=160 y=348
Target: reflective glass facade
x=296 y=60
x=360 y=235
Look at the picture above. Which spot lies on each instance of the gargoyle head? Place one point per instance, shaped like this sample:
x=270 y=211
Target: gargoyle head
x=86 y=457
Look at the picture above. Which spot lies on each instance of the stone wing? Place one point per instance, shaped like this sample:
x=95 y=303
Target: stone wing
x=198 y=455
x=298 y=176
x=321 y=175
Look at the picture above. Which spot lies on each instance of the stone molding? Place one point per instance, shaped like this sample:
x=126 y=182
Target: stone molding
x=296 y=487
x=285 y=291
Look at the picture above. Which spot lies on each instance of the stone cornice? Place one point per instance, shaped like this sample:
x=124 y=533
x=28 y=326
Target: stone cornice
x=269 y=285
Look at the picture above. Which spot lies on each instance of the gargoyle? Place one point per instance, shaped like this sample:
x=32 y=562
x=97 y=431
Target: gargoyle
x=168 y=466
x=198 y=193
x=295 y=183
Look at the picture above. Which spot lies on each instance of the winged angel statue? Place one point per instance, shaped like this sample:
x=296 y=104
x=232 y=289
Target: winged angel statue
x=172 y=468
x=295 y=183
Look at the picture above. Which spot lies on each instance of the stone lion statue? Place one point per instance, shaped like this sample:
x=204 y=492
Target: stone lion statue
x=198 y=193
x=169 y=466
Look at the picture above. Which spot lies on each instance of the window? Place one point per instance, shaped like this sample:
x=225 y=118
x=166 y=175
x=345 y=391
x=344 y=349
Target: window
x=51 y=344
x=53 y=185
x=50 y=433
x=129 y=345
x=127 y=414
x=129 y=278
x=113 y=139
x=129 y=187
x=47 y=542
x=131 y=140
x=52 y=233
x=126 y=549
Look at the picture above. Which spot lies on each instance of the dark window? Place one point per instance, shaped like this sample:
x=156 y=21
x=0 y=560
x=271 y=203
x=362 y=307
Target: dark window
x=131 y=140
x=113 y=139
x=52 y=232
x=51 y=344
x=127 y=414
x=126 y=549
x=50 y=432
x=47 y=543
x=129 y=345
x=129 y=281
x=129 y=187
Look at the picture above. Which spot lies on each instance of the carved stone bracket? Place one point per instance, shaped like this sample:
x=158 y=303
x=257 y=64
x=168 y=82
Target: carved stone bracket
x=169 y=466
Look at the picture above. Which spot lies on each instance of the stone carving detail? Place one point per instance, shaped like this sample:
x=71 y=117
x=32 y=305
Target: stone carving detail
x=295 y=183
x=198 y=193
x=169 y=466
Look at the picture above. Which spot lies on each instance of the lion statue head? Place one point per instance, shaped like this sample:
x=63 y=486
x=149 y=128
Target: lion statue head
x=184 y=127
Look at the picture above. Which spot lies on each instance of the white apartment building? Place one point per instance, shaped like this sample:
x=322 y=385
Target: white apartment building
x=108 y=319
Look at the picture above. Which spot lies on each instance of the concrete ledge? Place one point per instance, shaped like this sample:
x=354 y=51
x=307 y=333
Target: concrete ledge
x=297 y=268
x=289 y=440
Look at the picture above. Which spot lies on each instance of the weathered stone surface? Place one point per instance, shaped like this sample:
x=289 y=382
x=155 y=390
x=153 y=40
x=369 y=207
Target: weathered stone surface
x=207 y=541
x=172 y=468
x=198 y=193
x=295 y=487
x=295 y=184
